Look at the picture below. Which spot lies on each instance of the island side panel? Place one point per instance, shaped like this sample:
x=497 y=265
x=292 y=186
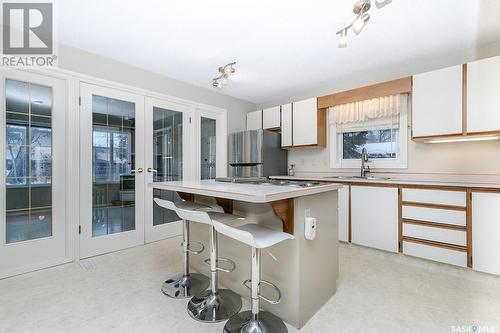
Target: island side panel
x=318 y=258
x=284 y=272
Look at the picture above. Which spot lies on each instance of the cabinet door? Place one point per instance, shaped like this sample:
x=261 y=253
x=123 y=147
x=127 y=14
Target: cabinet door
x=374 y=217
x=305 y=122
x=486 y=232
x=254 y=120
x=437 y=102
x=483 y=85
x=271 y=118
x=344 y=213
x=286 y=125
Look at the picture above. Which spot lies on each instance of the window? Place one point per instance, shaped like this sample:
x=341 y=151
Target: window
x=385 y=140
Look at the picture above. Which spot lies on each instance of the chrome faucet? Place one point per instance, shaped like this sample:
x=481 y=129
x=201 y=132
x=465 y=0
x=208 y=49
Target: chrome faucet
x=364 y=159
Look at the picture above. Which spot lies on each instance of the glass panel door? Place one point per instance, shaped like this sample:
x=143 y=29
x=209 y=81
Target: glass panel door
x=113 y=179
x=211 y=143
x=33 y=231
x=208 y=147
x=166 y=132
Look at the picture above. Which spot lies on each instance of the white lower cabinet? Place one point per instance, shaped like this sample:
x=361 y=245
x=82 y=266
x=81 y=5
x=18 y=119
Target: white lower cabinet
x=343 y=215
x=486 y=232
x=374 y=217
x=448 y=256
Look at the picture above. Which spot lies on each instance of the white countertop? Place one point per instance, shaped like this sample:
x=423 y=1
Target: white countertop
x=394 y=181
x=243 y=192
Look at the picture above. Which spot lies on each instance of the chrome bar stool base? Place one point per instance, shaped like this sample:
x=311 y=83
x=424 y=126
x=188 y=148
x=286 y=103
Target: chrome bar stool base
x=184 y=286
x=266 y=323
x=209 y=307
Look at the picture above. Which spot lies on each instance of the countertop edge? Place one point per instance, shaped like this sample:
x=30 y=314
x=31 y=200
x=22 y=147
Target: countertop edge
x=393 y=181
x=264 y=198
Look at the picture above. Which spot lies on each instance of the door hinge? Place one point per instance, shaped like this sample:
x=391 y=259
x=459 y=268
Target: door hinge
x=79 y=229
x=80 y=100
x=190 y=120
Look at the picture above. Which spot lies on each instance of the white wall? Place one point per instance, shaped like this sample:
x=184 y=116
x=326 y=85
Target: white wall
x=91 y=64
x=464 y=158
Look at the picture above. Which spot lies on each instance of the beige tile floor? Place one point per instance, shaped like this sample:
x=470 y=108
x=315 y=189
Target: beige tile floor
x=377 y=292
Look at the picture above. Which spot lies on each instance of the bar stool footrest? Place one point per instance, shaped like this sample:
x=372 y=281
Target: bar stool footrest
x=270 y=284
x=226 y=270
x=202 y=247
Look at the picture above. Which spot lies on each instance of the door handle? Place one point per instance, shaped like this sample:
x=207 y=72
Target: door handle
x=152 y=170
x=139 y=170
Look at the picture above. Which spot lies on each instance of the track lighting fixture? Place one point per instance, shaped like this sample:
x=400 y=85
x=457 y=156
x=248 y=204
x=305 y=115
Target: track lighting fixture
x=360 y=9
x=225 y=71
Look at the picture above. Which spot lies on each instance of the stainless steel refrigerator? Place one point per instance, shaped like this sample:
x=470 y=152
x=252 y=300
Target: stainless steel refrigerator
x=256 y=153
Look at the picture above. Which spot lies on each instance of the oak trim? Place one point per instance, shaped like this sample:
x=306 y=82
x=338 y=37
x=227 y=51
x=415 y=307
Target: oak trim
x=434 y=187
x=464 y=99
x=226 y=204
x=435 y=244
x=400 y=220
x=394 y=87
x=437 y=136
x=349 y=236
x=435 y=206
x=484 y=190
x=469 y=228
x=321 y=128
x=435 y=225
x=284 y=210
x=372 y=184
x=485 y=133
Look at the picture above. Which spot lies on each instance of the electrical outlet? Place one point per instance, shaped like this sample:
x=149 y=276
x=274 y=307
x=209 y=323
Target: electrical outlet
x=307 y=213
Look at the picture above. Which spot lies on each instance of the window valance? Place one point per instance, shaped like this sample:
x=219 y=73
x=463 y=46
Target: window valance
x=381 y=107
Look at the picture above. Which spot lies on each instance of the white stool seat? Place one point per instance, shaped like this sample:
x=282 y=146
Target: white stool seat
x=180 y=204
x=205 y=217
x=255 y=235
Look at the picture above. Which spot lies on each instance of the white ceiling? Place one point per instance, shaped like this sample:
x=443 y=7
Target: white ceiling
x=280 y=46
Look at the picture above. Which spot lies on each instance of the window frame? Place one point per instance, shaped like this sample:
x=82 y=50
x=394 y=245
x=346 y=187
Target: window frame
x=401 y=162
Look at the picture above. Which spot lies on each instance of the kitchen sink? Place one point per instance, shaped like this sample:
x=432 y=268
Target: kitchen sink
x=358 y=177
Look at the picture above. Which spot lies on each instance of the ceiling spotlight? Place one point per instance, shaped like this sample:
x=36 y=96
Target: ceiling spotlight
x=360 y=23
x=360 y=9
x=343 y=39
x=225 y=71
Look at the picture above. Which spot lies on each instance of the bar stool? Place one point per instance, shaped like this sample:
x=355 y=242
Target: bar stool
x=258 y=237
x=213 y=305
x=185 y=284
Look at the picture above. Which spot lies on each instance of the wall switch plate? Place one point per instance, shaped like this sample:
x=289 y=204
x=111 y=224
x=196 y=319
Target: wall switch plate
x=307 y=212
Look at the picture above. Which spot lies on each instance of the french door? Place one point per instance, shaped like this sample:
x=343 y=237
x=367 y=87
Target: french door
x=33 y=228
x=129 y=141
x=112 y=175
x=167 y=156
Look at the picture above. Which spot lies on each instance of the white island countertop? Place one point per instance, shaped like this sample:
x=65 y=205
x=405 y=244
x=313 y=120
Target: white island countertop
x=256 y=193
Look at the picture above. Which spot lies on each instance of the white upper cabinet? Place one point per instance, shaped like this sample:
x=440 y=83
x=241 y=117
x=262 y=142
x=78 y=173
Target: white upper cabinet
x=286 y=125
x=305 y=122
x=483 y=87
x=437 y=102
x=374 y=217
x=271 y=118
x=254 y=120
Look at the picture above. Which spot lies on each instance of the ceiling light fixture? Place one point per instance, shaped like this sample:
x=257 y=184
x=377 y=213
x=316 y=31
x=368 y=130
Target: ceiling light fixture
x=360 y=9
x=225 y=72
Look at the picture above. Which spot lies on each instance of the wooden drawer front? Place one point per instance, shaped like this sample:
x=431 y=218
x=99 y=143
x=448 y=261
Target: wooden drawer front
x=452 y=198
x=457 y=237
x=435 y=253
x=455 y=217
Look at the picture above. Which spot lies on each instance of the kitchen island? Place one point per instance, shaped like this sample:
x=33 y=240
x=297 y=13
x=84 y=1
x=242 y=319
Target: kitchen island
x=305 y=270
